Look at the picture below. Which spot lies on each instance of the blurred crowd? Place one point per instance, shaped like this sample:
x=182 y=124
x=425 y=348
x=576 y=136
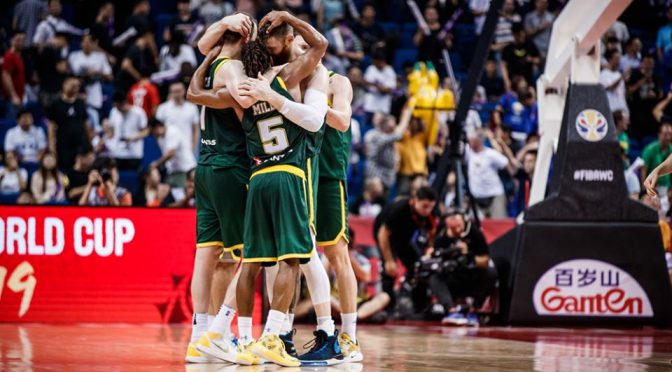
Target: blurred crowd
x=94 y=111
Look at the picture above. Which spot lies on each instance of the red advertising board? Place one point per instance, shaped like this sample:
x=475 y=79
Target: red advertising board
x=132 y=265
x=70 y=264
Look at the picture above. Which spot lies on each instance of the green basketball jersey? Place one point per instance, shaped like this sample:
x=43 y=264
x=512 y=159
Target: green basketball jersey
x=271 y=138
x=314 y=141
x=335 y=158
x=222 y=136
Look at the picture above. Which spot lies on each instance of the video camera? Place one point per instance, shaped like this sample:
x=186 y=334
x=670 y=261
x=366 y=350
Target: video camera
x=444 y=260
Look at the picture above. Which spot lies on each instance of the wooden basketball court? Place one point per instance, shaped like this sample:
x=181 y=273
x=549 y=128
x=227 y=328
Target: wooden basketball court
x=401 y=347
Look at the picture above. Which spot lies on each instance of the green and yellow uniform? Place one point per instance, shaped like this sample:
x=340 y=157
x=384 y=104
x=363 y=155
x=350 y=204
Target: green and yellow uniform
x=332 y=193
x=221 y=176
x=277 y=215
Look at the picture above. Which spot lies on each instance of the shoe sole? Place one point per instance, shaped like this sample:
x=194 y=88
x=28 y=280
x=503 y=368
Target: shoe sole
x=354 y=357
x=455 y=322
x=217 y=352
x=271 y=357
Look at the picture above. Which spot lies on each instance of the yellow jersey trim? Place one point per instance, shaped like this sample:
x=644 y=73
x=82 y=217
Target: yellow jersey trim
x=311 y=203
x=221 y=64
x=210 y=244
x=281 y=168
x=233 y=247
x=281 y=258
x=341 y=234
x=282 y=83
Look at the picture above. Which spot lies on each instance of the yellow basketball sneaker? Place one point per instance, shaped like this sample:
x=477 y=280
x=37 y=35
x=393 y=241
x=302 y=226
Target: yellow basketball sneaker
x=245 y=356
x=350 y=349
x=215 y=345
x=195 y=356
x=271 y=348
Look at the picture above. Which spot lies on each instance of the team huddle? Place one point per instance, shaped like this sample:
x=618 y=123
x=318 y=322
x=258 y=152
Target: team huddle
x=270 y=189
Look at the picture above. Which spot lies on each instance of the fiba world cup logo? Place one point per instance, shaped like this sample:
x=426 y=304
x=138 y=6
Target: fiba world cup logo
x=591 y=125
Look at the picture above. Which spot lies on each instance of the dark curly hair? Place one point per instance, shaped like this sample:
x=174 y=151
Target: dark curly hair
x=256 y=58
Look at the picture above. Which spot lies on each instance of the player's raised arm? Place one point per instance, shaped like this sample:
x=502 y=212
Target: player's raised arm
x=239 y=23
x=303 y=66
x=651 y=181
x=197 y=94
x=340 y=113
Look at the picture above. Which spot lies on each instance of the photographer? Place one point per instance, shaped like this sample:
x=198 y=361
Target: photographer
x=101 y=188
x=458 y=266
x=399 y=227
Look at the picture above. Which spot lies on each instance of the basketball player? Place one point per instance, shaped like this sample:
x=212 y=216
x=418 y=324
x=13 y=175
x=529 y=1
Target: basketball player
x=276 y=142
x=221 y=176
x=651 y=182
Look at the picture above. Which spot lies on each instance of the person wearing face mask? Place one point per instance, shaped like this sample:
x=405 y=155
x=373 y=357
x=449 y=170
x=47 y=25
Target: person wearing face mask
x=459 y=266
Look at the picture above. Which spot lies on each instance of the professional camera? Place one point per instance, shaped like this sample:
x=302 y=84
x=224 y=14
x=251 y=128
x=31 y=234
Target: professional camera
x=444 y=260
x=105 y=175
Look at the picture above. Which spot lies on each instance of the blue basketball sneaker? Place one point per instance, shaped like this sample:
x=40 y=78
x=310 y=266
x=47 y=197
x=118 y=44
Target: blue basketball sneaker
x=288 y=340
x=455 y=319
x=472 y=320
x=325 y=350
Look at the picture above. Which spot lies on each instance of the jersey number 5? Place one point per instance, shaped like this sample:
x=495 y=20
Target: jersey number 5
x=273 y=139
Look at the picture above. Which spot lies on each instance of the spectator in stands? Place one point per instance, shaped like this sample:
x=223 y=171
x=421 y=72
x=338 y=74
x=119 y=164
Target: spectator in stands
x=214 y=10
x=492 y=81
x=612 y=80
x=399 y=231
x=622 y=122
x=664 y=40
x=538 y=25
x=412 y=150
x=523 y=178
x=620 y=31
x=154 y=193
x=52 y=68
x=27 y=141
x=379 y=143
x=521 y=57
x=380 y=80
x=27 y=15
x=78 y=176
x=479 y=9
x=92 y=67
x=68 y=124
x=105 y=143
x=176 y=154
x=138 y=57
x=643 y=92
x=504 y=31
x=139 y=24
x=463 y=245
x=328 y=11
x=174 y=54
x=52 y=25
x=12 y=178
x=102 y=189
x=631 y=178
x=14 y=74
x=633 y=56
x=129 y=124
x=483 y=166
x=372 y=201
x=655 y=153
x=103 y=30
x=185 y=23
x=368 y=30
x=48 y=183
x=430 y=46
x=144 y=94
x=358 y=89
x=189 y=198
x=179 y=113
x=345 y=44
x=517 y=110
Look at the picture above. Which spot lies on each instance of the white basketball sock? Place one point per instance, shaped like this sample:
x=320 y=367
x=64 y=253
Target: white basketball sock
x=222 y=322
x=326 y=323
x=349 y=325
x=288 y=324
x=199 y=326
x=244 y=330
x=273 y=323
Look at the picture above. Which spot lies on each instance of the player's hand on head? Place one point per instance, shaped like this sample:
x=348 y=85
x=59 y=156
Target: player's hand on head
x=239 y=23
x=275 y=19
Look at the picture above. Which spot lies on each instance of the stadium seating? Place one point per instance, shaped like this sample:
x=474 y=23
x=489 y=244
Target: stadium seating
x=402 y=56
